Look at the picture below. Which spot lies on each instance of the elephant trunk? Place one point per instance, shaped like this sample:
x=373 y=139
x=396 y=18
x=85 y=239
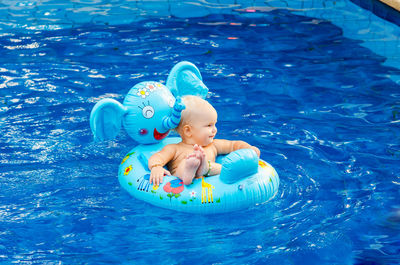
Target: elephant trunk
x=173 y=120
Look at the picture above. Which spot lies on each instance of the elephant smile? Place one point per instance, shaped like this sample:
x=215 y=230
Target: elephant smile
x=160 y=136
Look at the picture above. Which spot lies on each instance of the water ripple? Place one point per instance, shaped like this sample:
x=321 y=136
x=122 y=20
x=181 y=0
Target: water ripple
x=319 y=106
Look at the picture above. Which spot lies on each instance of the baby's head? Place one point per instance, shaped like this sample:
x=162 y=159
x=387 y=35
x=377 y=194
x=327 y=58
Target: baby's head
x=198 y=121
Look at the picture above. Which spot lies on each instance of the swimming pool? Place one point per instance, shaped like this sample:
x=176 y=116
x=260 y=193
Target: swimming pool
x=314 y=85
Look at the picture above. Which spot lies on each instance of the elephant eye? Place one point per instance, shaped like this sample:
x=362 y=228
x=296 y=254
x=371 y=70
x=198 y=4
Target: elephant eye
x=148 y=112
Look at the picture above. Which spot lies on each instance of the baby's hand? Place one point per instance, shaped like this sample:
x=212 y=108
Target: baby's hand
x=157 y=174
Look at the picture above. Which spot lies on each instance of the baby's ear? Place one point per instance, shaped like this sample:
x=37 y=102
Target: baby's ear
x=106 y=118
x=187 y=130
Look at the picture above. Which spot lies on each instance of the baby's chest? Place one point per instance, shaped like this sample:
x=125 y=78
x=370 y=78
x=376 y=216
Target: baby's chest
x=208 y=151
x=210 y=154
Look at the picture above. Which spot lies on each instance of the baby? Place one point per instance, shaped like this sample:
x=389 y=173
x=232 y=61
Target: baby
x=195 y=155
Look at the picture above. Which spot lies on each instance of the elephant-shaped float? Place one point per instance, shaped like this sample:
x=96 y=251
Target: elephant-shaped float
x=150 y=109
x=148 y=113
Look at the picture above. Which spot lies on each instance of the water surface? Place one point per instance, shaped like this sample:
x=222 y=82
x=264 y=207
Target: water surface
x=321 y=107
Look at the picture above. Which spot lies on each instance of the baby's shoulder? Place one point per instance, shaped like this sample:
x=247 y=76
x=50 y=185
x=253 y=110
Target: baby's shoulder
x=222 y=146
x=172 y=148
x=219 y=142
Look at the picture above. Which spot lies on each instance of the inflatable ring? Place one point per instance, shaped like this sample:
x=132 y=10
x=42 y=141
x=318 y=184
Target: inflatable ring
x=245 y=181
x=149 y=112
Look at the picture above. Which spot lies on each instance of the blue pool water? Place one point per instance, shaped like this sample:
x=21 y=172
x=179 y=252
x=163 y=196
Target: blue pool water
x=322 y=105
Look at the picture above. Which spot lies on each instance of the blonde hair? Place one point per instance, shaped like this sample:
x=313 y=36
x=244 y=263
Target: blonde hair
x=193 y=107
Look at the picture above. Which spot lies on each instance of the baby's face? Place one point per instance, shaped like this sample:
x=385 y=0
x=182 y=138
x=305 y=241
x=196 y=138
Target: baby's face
x=204 y=129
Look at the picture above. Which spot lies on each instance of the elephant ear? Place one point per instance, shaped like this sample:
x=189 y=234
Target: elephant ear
x=185 y=79
x=106 y=119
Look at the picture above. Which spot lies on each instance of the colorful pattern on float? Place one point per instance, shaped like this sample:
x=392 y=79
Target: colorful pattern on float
x=148 y=113
x=205 y=194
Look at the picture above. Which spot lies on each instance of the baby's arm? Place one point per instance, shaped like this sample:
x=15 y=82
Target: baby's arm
x=157 y=163
x=226 y=146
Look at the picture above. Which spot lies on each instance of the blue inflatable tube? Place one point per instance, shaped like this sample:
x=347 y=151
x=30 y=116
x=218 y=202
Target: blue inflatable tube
x=148 y=113
x=245 y=181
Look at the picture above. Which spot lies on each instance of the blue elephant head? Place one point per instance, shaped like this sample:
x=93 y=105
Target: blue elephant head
x=150 y=109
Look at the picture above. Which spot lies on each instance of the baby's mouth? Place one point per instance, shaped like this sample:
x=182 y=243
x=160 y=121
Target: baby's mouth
x=159 y=136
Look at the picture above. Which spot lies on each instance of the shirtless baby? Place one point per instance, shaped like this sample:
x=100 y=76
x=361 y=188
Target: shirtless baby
x=195 y=155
